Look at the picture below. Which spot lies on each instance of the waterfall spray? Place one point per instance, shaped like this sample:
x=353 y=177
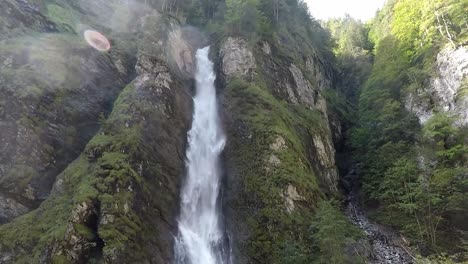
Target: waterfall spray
x=200 y=239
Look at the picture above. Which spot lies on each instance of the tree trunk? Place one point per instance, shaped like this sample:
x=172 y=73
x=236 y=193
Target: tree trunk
x=442 y=27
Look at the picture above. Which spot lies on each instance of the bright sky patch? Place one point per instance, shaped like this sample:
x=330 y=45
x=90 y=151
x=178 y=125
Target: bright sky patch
x=360 y=9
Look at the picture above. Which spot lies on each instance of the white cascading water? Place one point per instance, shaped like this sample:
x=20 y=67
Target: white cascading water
x=200 y=238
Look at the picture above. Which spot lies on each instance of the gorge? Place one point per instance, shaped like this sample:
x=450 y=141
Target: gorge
x=233 y=132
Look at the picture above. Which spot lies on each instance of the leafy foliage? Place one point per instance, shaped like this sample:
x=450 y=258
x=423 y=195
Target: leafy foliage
x=332 y=232
x=352 y=50
x=415 y=175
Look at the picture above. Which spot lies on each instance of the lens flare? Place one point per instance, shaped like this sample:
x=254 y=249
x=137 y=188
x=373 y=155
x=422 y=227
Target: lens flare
x=97 y=40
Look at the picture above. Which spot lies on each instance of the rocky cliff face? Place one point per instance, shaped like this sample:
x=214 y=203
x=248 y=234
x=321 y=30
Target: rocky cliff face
x=94 y=178
x=18 y=16
x=54 y=89
x=447 y=91
x=280 y=156
x=92 y=145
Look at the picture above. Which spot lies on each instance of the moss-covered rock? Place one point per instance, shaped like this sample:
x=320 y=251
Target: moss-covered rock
x=115 y=177
x=117 y=202
x=275 y=156
x=54 y=89
x=18 y=17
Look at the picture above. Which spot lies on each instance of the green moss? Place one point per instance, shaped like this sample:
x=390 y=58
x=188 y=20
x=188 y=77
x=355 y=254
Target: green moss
x=60 y=260
x=264 y=183
x=37 y=229
x=61 y=16
x=84 y=231
x=19 y=176
x=34 y=231
x=104 y=181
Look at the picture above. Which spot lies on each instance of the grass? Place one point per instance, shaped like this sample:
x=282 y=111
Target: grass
x=85 y=181
x=267 y=118
x=62 y=17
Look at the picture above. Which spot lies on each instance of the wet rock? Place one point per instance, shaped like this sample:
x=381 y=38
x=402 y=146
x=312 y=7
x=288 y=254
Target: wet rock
x=181 y=52
x=22 y=15
x=10 y=208
x=53 y=91
x=386 y=245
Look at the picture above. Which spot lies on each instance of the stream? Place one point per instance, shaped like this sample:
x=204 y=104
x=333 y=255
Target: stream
x=386 y=245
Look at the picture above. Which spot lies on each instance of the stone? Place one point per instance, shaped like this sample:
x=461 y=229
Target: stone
x=304 y=92
x=181 y=52
x=51 y=107
x=291 y=95
x=8 y=62
x=325 y=153
x=157 y=106
x=319 y=74
x=10 y=208
x=274 y=160
x=81 y=212
x=279 y=144
x=290 y=196
x=447 y=91
x=266 y=48
x=237 y=59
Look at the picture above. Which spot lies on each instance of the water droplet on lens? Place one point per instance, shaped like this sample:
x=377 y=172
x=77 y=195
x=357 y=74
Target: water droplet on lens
x=97 y=40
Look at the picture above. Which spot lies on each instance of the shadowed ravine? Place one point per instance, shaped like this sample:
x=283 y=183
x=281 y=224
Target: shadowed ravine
x=386 y=245
x=200 y=238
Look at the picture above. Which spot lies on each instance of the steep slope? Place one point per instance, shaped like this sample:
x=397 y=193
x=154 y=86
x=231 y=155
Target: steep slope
x=410 y=140
x=53 y=91
x=446 y=91
x=97 y=179
x=117 y=201
x=280 y=157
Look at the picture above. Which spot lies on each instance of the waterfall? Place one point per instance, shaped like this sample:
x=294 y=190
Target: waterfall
x=201 y=238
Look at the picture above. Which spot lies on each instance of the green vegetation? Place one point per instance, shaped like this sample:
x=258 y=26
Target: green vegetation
x=419 y=25
x=353 y=53
x=265 y=182
x=286 y=22
x=414 y=176
x=332 y=233
x=102 y=178
x=278 y=233
x=63 y=17
x=385 y=133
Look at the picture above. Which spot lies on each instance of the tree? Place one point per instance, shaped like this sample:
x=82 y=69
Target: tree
x=332 y=231
x=243 y=17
